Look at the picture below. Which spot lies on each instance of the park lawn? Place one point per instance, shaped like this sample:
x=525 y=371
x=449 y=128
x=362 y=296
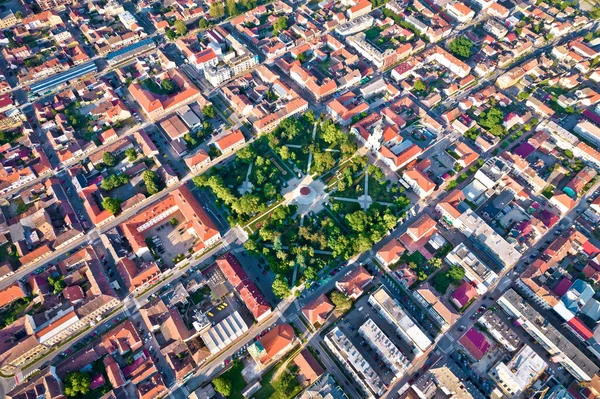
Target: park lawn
x=351 y=190
x=234 y=374
x=284 y=171
x=379 y=191
x=301 y=160
x=268 y=391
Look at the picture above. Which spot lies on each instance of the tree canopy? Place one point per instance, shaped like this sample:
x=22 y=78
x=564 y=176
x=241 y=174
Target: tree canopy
x=112 y=205
x=109 y=159
x=280 y=287
x=279 y=25
x=461 y=47
x=180 y=27
x=151 y=180
x=341 y=301
x=77 y=383
x=222 y=385
x=113 y=181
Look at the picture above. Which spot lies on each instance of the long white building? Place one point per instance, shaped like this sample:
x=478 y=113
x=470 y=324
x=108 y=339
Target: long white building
x=391 y=311
x=389 y=353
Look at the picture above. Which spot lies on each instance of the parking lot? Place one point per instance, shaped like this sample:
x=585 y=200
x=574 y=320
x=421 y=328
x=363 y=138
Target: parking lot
x=170 y=240
x=357 y=317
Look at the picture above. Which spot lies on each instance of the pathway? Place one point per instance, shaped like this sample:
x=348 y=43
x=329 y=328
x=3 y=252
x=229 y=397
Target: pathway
x=246 y=186
x=317 y=251
x=310 y=155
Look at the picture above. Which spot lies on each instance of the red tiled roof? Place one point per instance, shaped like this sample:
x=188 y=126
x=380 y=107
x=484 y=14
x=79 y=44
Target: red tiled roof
x=580 y=328
x=475 y=343
x=251 y=295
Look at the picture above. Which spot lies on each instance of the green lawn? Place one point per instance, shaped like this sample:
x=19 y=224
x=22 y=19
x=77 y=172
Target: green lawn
x=353 y=190
x=379 y=191
x=372 y=33
x=270 y=391
x=234 y=374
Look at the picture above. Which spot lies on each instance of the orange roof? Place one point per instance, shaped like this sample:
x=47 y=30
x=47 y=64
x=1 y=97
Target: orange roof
x=96 y=214
x=197 y=158
x=308 y=366
x=55 y=324
x=153 y=388
x=363 y=4
x=391 y=251
x=461 y=8
x=318 y=310
x=11 y=294
x=134 y=277
x=189 y=207
x=114 y=372
x=35 y=254
x=230 y=140
x=422 y=226
x=276 y=341
x=354 y=282
x=122 y=339
x=421 y=179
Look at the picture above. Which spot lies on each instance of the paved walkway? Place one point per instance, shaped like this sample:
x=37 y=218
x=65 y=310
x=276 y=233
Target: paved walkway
x=246 y=186
x=310 y=155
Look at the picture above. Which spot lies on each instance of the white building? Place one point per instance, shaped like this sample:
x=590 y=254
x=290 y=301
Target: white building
x=589 y=131
x=391 y=311
x=522 y=371
x=389 y=353
x=460 y=11
x=476 y=272
x=354 y=363
x=224 y=333
x=561 y=350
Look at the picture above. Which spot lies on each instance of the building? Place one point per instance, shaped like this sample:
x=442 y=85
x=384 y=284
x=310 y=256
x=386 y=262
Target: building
x=463 y=295
x=558 y=346
x=518 y=374
x=245 y=287
x=317 y=311
x=487 y=239
x=231 y=142
x=497 y=329
x=421 y=184
x=442 y=313
x=460 y=11
x=53 y=4
x=309 y=369
x=421 y=228
x=224 y=333
x=475 y=344
x=382 y=345
x=390 y=253
x=589 y=131
x=354 y=363
x=71 y=75
x=157 y=106
x=180 y=202
x=354 y=282
x=137 y=279
x=273 y=345
x=12 y=293
x=476 y=272
x=198 y=161
x=8 y=19
x=324 y=387
x=391 y=311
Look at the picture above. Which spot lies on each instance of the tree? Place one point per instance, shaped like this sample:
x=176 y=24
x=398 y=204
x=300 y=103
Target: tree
x=151 y=180
x=461 y=47
x=232 y=9
x=301 y=57
x=420 y=86
x=131 y=154
x=247 y=204
x=114 y=181
x=280 y=287
x=246 y=154
x=357 y=221
x=167 y=85
x=171 y=35
x=77 y=383
x=456 y=273
x=331 y=133
x=57 y=283
x=322 y=161
x=279 y=25
x=436 y=263
x=310 y=273
x=109 y=159
x=202 y=24
x=174 y=221
x=341 y=301
x=216 y=10
x=112 y=205
x=208 y=111
x=180 y=27
x=19 y=15
x=222 y=385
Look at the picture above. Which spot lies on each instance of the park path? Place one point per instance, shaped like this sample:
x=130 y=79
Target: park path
x=246 y=186
x=310 y=155
x=317 y=251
